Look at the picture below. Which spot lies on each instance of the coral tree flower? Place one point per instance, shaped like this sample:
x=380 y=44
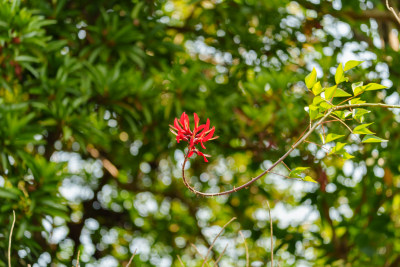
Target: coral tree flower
x=199 y=135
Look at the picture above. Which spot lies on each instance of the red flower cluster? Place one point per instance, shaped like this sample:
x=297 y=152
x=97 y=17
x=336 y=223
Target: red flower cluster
x=200 y=134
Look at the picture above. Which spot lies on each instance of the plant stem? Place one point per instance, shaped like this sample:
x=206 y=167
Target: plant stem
x=9 y=240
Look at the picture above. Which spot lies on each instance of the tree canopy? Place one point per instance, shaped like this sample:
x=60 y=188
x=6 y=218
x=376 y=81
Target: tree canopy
x=88 y=90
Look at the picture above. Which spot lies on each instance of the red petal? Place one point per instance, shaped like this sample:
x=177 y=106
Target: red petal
x=202 y=145
x=177 y=126
x=206 y=138
x=203 y=155
x=196 y=121
x=185 y=122
x=190 y=153
x=207 y=125
x=182 y=119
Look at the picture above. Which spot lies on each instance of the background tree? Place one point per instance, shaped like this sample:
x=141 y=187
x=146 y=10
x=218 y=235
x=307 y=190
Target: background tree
x=88 y=88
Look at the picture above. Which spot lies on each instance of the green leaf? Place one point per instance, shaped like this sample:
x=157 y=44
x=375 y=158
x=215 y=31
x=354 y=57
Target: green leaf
x=309 y=179
x=335 y=92
x=322 y=138
x=24 y=58
x=311 y=79
x=342 y=114
x=339 y=74
x=351 y=64
x=358 y=114
x=338 y=148
x=357 y=101
x=317 y=88
x=324 y=106
x=362 y=129
x=346 y=155
x=373 y=86
x=313 y=111
x=373 y=139
x=6 y=193
x=317 y=100
x=296 y=172
x=330 y=137
x=357 y=88
x=369 y=87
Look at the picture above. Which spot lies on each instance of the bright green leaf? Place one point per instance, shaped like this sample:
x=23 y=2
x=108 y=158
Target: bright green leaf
x=362 y=129
x=309 y=179
x=358 y=114
x=296 y=172
x=317 y=100
x=339 y=74
x=373 y=139
x=351 y=64
x=342 y=114
x=313 y=111
x=311 y=79
x=346 y=155
x=338 y=148
x=335 y=92
x=330 y=137
x=356 y=101
x=317 y=88
x=373 y=86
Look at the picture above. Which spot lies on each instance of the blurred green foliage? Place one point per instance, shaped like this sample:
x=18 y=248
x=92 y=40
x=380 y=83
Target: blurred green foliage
x=88 y=88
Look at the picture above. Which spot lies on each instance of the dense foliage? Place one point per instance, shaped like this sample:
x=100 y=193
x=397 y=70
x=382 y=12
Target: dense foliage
x=88 y=90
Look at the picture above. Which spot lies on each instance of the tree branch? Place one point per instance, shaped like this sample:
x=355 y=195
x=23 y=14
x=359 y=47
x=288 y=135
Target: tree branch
x=293 y=147
x=391 y=9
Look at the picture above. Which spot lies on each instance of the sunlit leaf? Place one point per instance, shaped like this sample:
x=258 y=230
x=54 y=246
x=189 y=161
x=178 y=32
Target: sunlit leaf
x=317 y=100
x=309 y=179
x=337 y=148
x=311 y=79
x=373 y=139
x=351 y=64
x=373 y=86
x=339 y=74
x=330 y=137
x=317 y=88
x=296 y=172
x=362 y=129
x=356 y=101
x=359 y=113
x=335 y=92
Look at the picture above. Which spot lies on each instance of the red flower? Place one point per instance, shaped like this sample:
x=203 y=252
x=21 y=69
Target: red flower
x=200 y=134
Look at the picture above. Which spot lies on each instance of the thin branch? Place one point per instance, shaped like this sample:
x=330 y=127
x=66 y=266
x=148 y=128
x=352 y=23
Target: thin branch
x=293 y=147
x=324 y=148
x=342 y=122
x=197 y=250
x=180 y=261
x=235 y=189
x=9 y=240
x=247 y=250
x=130 y=260
x=77 y=259
x=286 y=166
x=220 y=256
x=215 y=239
x=272 y=235
x=391 y=9
x=281 y=175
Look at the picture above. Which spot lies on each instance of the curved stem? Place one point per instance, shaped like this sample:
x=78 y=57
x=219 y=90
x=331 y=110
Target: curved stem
x=293 y=147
